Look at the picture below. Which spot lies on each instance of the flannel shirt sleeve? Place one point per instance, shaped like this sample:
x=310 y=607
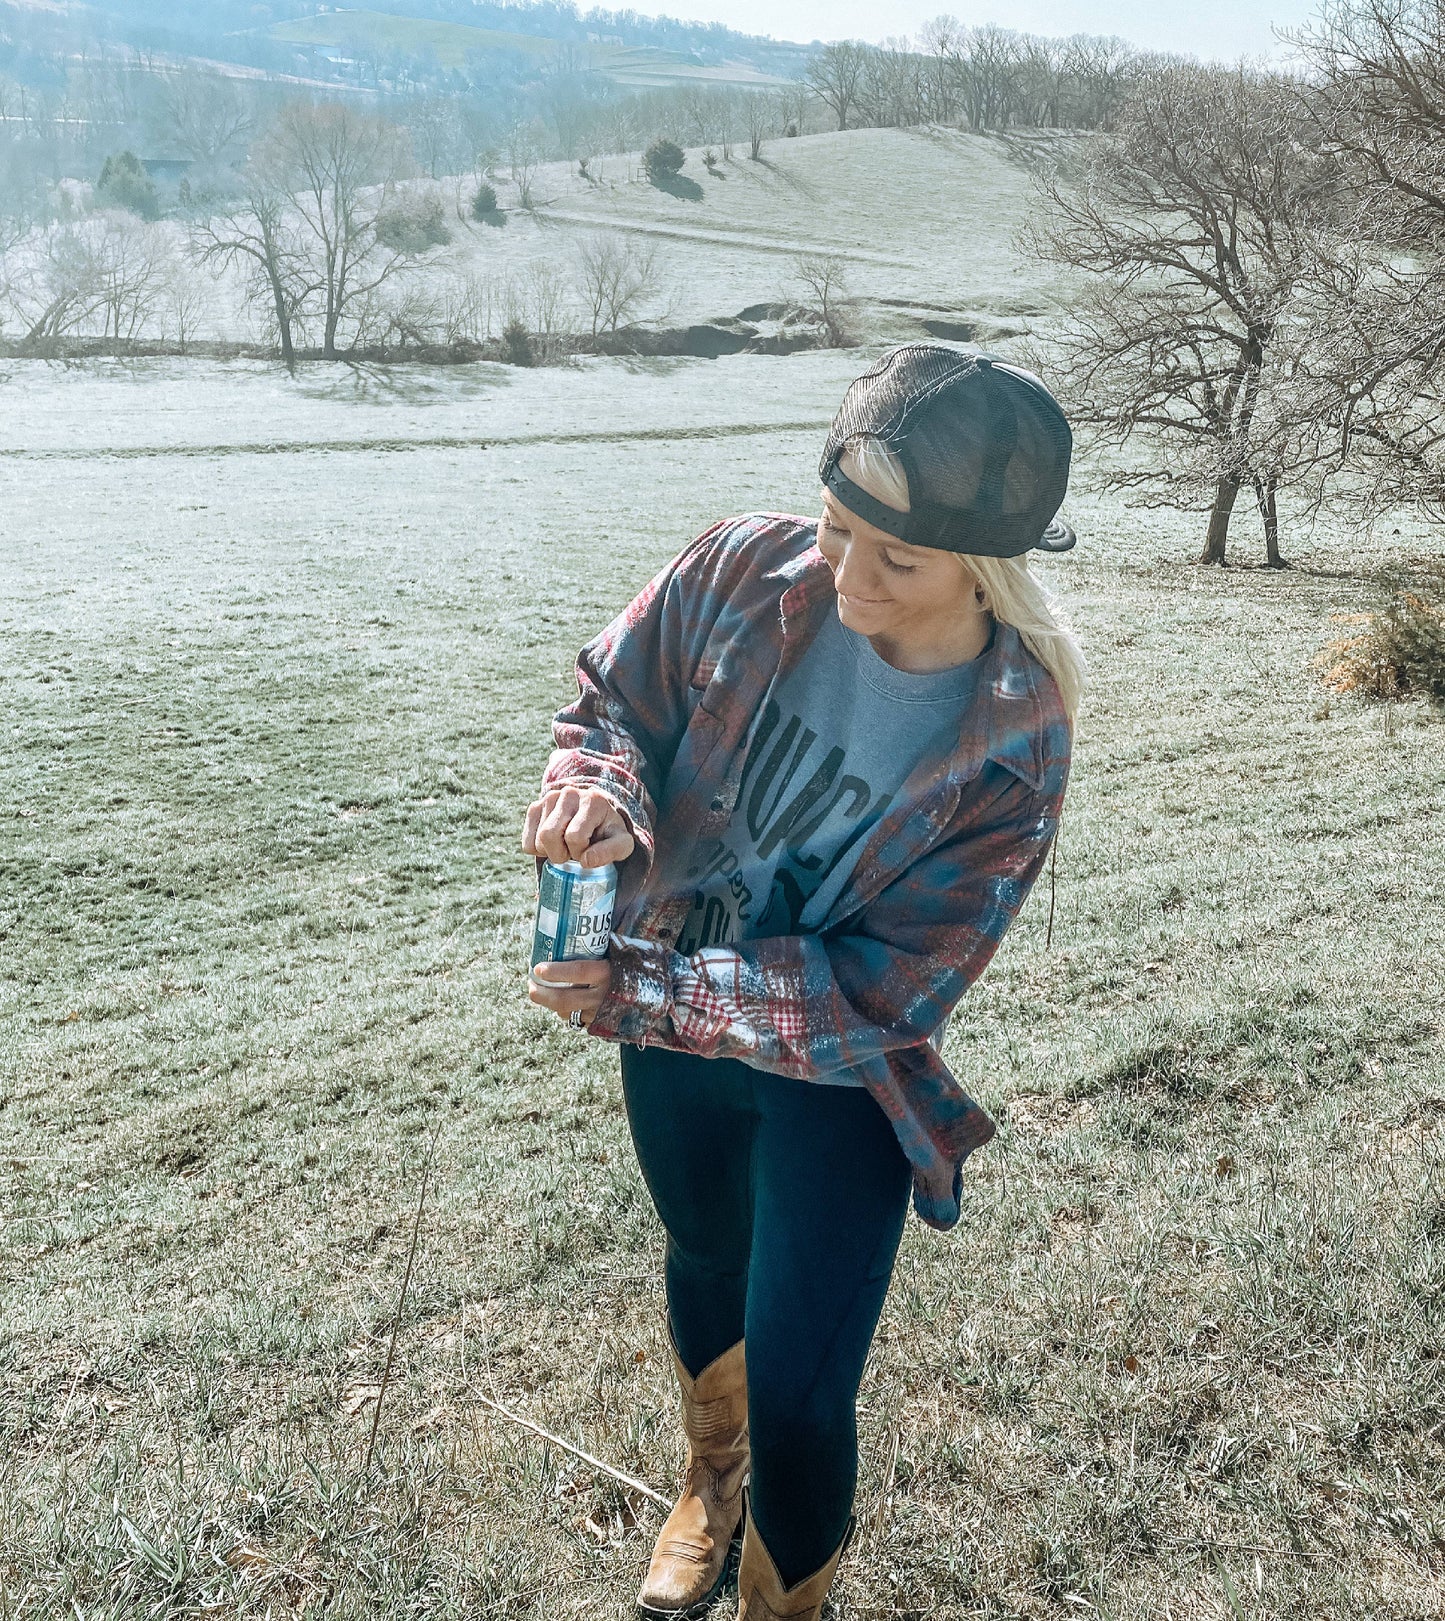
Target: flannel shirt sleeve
x=620 y=732
x=808 y=1005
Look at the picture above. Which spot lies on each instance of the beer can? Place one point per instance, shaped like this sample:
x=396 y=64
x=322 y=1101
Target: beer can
x=574 y=911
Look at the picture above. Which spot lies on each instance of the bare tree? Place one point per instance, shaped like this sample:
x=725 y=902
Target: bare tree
x=617 y=278
x=1100 y=73
x=203 y=114
x=261 y=235
x=834 y=75
x=523 y=156
x=760 y=119
x=469 y=303
x=537 y=301
x=729 y=118
x=824 y=277
x=1202 y=223
x=698 y=104
x=793 y=101
x=53 y=286
x=569 y=95
x=410 y=314
x=341 y=167
x=619 y=127
x=367 y=54
x=186 y=301
x=892 y=86
x=1377 y=99
x=105 y=276
x=994 y=58
x=1043 y=81
x=436 y=134
x=132 y=264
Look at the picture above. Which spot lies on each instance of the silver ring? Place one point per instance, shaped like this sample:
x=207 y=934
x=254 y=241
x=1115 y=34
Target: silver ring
x=574 y=1018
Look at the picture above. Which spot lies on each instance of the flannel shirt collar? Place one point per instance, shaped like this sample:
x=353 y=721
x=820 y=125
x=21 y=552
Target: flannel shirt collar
x=1008 y=728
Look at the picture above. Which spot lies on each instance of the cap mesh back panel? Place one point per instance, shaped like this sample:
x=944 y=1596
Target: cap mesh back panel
x=985 y=448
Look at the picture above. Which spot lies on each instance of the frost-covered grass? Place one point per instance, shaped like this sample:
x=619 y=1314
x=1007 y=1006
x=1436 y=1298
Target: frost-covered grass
x=129 y=407
x=271 y=721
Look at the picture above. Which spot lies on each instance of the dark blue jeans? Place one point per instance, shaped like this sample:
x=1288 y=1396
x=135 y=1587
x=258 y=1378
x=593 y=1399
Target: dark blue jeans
x=783 y=1203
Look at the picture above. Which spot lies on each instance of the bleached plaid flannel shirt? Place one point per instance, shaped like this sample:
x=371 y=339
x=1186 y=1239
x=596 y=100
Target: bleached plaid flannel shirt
x=666 y=695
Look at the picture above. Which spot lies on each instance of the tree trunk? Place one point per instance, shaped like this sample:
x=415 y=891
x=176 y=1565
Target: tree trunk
x=283 y=324
x=1264 y=493
x=1224 y=498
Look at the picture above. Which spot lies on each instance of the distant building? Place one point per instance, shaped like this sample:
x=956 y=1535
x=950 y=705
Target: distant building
x=167 y=171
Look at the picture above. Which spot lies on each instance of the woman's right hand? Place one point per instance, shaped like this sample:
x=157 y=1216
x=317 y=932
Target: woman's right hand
x=577 y=824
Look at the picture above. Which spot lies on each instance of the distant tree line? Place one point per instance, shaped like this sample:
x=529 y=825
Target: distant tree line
x=984 y=78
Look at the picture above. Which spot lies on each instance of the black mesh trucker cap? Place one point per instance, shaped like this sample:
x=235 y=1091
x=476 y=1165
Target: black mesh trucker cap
x=984 y=444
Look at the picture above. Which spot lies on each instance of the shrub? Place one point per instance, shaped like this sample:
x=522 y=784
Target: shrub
x=124 y=184
x=663 y=161
x=1398 y=652
x=484 y=204
x=517 y=348
x=413 y=224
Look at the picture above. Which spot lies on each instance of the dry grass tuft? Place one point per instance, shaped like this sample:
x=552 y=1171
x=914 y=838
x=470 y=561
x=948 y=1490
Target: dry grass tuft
x=1397 y=652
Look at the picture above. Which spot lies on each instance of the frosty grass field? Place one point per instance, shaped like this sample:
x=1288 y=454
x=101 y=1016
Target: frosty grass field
x=279 y=659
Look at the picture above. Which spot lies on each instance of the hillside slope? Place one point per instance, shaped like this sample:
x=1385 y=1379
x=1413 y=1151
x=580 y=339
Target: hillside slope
x=924 y=221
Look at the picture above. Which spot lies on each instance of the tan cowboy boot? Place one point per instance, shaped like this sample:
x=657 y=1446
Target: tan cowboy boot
x=761 y=1594
x=690 y=1560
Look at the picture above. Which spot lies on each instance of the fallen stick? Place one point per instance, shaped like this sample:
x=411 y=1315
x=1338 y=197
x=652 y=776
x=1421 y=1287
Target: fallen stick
x=577 y=1452
x=401 y=1304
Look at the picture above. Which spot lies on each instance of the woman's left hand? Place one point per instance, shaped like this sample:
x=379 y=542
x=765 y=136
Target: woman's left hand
x=571 y=987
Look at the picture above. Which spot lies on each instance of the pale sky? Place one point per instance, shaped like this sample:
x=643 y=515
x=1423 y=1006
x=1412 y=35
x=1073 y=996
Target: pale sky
x=1223 y=29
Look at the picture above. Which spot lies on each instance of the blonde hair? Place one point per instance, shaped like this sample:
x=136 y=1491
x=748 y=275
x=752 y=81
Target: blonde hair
x=1009 y=589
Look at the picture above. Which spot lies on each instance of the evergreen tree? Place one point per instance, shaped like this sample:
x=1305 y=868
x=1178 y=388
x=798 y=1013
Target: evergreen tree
x=125 y=184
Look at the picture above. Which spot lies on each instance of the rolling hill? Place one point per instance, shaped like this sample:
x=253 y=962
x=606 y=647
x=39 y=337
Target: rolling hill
x=940 y=259
x=336 y=34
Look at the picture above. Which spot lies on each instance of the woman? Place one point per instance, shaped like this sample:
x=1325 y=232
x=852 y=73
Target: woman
x=829 y=760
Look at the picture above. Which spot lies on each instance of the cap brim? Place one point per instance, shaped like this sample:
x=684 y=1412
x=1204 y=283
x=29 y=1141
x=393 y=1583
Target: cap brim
x=1058 y=537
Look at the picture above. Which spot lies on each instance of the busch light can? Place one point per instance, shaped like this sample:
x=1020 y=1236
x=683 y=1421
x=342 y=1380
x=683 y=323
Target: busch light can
x=574 y=911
